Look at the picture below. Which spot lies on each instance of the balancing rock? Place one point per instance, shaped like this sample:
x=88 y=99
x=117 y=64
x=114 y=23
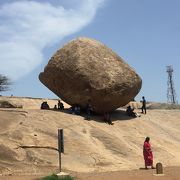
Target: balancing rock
x=85 y=69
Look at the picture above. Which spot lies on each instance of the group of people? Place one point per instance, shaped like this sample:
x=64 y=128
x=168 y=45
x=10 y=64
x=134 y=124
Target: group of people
x=130 y=110
x=45 y=105
x=76 y=109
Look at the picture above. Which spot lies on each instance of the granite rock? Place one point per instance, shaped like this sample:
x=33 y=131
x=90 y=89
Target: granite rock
x=85 y=69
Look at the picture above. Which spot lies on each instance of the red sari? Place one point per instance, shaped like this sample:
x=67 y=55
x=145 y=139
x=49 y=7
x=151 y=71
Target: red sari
x=148 y=155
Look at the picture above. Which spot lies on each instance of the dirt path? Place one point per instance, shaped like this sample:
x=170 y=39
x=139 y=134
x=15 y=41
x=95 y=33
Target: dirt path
x=170 y=173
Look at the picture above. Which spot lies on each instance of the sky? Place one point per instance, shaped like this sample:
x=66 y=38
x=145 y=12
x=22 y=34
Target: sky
x=146 y=34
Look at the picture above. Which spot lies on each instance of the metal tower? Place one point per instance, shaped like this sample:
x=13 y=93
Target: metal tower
x=171 y=95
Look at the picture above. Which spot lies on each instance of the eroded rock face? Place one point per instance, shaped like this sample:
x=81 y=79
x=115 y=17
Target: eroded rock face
x=86 y=69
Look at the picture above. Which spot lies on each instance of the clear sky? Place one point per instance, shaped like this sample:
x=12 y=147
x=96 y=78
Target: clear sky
x=146 y=34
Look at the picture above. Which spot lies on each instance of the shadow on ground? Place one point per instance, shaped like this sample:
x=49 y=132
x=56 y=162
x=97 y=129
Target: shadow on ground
x=117 y=115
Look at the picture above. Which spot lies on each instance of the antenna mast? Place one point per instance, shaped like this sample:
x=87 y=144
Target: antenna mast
x=171 y=95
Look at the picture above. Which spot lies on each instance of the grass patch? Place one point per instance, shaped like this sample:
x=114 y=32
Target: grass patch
x=55 y=177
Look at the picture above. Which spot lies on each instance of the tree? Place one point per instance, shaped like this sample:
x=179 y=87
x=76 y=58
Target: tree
x=4 y=83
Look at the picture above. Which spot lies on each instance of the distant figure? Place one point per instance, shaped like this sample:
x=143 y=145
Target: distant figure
x=72 y=109
x=143 y=105
x=88 y=109
x=44 y=105
x=55 y=106
x=130 y=112
x=60 y=105
x=147 y=153
x=107 y=118
x=77 y=109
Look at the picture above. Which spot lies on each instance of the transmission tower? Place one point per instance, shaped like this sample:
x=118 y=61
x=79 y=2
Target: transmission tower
x=171 y=95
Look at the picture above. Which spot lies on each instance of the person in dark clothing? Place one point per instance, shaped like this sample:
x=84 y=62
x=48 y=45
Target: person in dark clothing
x=107 y=118
x=77 y=109
x=88 y=109
x=45 y=105
x=143 y=105
x=60 y=105
x=55 y=106
x=130 y=111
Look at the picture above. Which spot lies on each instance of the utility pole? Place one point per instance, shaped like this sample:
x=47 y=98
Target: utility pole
x=60 y=146
x=171 y=95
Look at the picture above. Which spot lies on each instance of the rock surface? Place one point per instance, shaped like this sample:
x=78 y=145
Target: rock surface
x=90 y=146
x=86 y=69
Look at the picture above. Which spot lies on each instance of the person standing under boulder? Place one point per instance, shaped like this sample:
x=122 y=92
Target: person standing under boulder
x=107 y=118
x=143 y=105
x=88 y=109
x=147 y=153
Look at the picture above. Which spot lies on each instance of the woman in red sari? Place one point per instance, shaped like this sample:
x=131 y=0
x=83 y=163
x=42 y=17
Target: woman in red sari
x=147 y=152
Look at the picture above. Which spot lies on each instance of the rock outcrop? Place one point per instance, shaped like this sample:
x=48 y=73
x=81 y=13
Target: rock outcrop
x=85 y=69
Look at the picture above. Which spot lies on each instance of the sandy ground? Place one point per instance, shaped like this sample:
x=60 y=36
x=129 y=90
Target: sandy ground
x=30 y=103
x=170 y=173
x=90 y=146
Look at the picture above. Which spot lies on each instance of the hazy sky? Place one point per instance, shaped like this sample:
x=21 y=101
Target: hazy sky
x=146 y=34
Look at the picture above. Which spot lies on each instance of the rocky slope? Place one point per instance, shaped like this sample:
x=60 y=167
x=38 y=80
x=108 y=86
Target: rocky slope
x=89 y=145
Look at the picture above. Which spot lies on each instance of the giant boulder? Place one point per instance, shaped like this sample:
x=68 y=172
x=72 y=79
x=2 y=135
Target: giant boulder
x=85 y=69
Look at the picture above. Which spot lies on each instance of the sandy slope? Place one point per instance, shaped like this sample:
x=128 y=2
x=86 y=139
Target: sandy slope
x=30 y=103
x=89 y=145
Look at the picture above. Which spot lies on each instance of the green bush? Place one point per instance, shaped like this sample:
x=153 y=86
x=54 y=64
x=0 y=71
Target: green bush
x=55 y=177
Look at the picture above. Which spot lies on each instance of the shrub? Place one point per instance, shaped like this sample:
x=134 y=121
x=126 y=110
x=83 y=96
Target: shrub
x=55 y=177
x=4 y=83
